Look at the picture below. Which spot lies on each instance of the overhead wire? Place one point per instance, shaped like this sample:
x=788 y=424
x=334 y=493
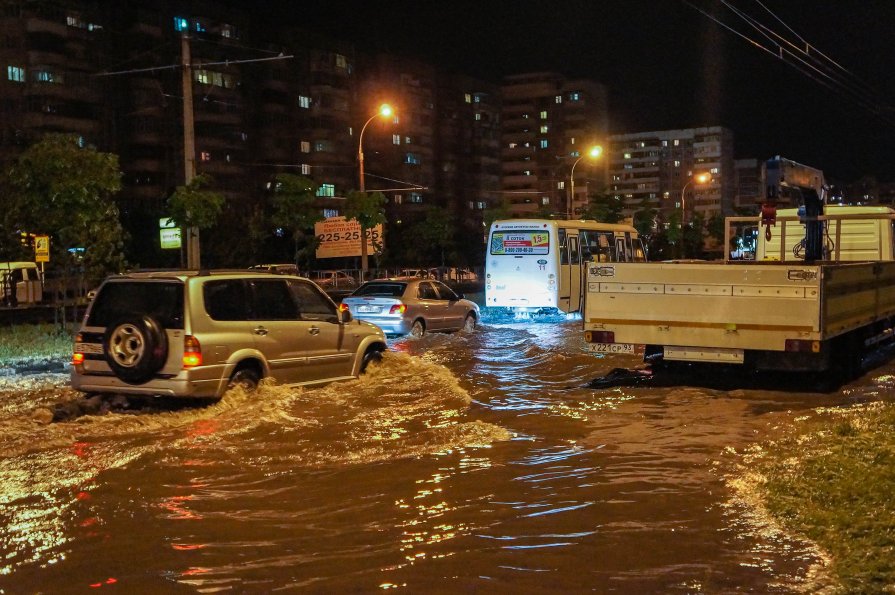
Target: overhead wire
x=804 y=57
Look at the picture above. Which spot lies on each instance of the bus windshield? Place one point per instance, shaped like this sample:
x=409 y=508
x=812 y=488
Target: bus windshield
x=520 y=241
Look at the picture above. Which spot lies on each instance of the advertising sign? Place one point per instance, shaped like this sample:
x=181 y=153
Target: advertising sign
x=520 y=242
x=169 y=237
x=42 y=249
x=339 y=237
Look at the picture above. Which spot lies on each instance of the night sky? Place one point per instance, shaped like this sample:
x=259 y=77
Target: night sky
x=665 y=64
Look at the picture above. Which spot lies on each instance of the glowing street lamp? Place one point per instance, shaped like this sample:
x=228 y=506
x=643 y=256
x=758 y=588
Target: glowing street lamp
x=593 y=153
x=385 y=110
x=702 y=178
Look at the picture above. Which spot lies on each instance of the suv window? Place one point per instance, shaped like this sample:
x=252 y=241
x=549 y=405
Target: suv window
x=225 y=299
x=271 y=300
x=162 y=300
x=311 y=302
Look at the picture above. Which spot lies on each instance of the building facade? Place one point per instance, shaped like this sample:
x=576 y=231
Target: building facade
x=657 y=170
x=549 y=122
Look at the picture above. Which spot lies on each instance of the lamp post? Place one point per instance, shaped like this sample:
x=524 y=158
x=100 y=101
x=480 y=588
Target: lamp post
x=593 y=153
x=385 y=110
x=699 y=179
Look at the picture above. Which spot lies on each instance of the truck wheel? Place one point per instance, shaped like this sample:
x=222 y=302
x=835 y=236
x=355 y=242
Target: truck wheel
x=135 y=347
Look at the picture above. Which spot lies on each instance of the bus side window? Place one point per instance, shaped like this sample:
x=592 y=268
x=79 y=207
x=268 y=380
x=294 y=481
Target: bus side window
x=563 y=249
x=573 y=250
x=620 y=252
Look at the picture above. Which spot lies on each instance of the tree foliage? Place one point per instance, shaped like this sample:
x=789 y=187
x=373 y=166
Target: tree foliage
x=294 y=208
x=191 y=206
x=605 y=207
x=58 y=188
x=436 y=233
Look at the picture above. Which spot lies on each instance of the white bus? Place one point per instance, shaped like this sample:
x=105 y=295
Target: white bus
x=533 y=265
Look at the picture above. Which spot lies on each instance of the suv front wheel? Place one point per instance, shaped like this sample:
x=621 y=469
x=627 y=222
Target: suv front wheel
x=136 y=347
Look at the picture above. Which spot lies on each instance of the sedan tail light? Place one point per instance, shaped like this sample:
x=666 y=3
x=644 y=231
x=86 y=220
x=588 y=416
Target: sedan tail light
x=397 y=309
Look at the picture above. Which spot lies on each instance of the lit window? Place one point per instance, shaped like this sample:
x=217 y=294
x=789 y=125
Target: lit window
x=575 y=154
x=205 y=156
x=574 y=96
x=641 y=145
x=396 y=120
x=572 y=141
x=558 y=99
x=478 y=116
x=415 y=197
x=512 y=145
x=47 y=76
x=305 y=146
x=181 y=24
x=330 y=213
x=412 y=159
x=228 y=31
x=677 y=142
x=467 y=98
x=305 y=169
x=664 y=143
x=398 y=199
x=15 y=73
x=543 y=114
x=408 y=140
x=560 y=185
x=326 y=190
x=544 y=129
x=476 y=98
x=304 y=102
x=677 y=163
x=396 y=139
x=543 y=143
x=714 y=170
x=545 y=200
x=321 y=146
x=341 y=61
x=627 y=155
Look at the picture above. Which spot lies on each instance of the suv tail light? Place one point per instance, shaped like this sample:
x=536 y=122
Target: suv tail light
x=77 y=358
x=343 y=307
x=192 y=352
x=397 y=309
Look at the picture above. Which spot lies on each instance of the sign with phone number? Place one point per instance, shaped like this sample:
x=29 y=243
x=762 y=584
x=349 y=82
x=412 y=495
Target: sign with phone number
x=339 y=237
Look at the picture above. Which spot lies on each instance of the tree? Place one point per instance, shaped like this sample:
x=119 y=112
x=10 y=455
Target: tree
x=645 y=219
x=59 y=188
x=368 y=209
x=191 y=207
x=294 y=208
x=436 y=232
x=605 y=207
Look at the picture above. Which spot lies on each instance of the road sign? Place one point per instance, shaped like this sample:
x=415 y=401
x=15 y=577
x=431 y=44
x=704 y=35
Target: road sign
x=339 y=237
x=169 y=237
x=42 y=249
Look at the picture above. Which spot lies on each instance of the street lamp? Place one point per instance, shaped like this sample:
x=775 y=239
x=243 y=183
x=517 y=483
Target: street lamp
x=699 y=179
x=593 y=153
x=385 y=110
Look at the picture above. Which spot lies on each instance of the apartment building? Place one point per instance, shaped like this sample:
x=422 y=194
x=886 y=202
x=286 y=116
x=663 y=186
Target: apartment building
x=549 y=122
x=747 y=184
x=656 y=170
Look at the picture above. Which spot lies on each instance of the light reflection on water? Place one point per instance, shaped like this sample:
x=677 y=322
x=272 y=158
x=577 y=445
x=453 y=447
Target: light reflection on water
x=465 y=462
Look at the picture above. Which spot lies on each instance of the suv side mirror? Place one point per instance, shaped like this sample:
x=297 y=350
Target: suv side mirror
x=345 y=316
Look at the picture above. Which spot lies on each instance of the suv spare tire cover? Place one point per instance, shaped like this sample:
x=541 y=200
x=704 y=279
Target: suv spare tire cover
x=136 y=347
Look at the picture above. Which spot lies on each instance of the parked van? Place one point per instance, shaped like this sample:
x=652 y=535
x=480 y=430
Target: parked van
x=21 y=283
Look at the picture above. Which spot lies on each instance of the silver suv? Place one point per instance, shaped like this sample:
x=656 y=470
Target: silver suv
x=188 y=334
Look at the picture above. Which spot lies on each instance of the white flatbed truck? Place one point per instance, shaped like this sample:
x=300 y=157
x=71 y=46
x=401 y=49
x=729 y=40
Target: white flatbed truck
x=777 y=312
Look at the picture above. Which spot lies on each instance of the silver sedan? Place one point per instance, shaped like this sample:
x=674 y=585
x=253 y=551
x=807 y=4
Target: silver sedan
x=411 y=306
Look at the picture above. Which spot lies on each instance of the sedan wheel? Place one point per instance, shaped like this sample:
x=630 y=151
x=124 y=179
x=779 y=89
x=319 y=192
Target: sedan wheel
x=469 y=324
x=418 y=329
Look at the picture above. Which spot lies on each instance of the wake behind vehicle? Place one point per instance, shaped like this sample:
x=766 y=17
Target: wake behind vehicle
x=188 y=334
x=411 y=306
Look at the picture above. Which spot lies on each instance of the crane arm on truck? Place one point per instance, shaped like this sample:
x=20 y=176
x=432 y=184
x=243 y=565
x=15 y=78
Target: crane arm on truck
x=794 y=184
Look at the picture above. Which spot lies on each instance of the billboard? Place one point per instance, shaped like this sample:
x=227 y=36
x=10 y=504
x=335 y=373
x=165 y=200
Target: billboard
x=339 y=237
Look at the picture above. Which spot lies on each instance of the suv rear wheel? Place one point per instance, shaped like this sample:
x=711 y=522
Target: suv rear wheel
x=136 y=347
x=246 y=377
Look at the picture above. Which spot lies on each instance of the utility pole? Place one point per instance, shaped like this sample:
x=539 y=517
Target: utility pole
x=189 y=146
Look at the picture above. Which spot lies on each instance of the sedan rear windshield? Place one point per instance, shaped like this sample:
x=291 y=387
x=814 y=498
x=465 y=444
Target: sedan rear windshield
x=382 y=289
x=162 y=300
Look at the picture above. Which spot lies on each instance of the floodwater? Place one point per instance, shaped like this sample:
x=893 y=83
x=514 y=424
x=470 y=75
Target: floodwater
x=464 y=463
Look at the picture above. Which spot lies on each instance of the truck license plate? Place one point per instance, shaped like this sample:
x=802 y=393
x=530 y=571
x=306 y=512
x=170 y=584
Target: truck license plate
x=610 y=347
